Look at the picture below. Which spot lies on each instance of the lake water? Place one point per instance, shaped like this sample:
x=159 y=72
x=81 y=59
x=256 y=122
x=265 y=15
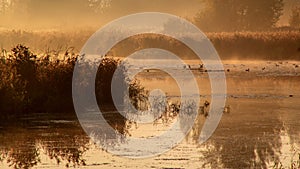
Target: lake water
x=261 y=130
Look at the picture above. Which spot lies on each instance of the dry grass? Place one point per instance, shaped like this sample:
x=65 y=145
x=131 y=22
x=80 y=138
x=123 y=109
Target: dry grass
x=282 y=45
x=276 y=45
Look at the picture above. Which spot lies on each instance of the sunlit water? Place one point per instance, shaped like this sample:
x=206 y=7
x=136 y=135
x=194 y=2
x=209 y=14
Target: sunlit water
x=261 y=130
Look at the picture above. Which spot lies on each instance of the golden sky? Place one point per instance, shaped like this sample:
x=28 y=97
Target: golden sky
x=68 y=13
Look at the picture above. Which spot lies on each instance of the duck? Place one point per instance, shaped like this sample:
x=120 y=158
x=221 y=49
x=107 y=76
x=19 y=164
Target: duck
x=227 y=109
x=204 y=109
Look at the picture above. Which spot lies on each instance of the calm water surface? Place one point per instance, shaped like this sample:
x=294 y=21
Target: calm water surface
x=261 y=129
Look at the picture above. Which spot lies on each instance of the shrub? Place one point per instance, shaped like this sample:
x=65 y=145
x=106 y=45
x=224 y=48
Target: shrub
x=32 y=84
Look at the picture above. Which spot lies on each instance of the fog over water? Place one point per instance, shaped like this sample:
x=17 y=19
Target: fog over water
x=39 y=128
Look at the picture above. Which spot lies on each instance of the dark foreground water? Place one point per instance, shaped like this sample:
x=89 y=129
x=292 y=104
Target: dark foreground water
x=261 y=130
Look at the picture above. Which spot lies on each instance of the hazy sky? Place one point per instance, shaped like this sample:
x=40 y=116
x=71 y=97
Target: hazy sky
x=68 y=13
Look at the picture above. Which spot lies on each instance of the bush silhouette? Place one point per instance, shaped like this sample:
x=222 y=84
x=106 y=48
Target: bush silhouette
x=32 y=84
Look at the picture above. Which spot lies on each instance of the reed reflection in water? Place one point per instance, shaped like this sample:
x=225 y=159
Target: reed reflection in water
x=261 y=131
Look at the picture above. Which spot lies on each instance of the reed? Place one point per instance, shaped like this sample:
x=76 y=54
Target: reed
x=36 y=84
x=272 y=45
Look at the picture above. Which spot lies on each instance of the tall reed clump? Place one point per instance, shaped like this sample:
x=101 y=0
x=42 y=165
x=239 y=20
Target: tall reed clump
x=272 y=45
x=32 y=84
x=279 y=45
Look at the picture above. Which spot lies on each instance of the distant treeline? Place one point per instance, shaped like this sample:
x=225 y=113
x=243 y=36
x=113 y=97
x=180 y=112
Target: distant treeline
x=275 y=45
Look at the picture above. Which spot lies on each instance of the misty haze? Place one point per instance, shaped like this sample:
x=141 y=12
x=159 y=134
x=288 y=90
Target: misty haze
x=42 y=48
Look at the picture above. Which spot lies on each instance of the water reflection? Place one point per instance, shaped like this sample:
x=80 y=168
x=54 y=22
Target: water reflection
x=263 y=108
x=23 y=141
x=261 y=131
x=241 y=141
x=257 y=145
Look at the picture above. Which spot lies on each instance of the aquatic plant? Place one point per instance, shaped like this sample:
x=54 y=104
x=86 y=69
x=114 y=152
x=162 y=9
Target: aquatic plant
x=36 y=84
x=268 y=45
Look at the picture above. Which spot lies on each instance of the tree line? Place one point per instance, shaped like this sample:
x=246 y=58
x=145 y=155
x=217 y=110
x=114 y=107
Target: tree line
x=217 y=15
x=243 y=15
